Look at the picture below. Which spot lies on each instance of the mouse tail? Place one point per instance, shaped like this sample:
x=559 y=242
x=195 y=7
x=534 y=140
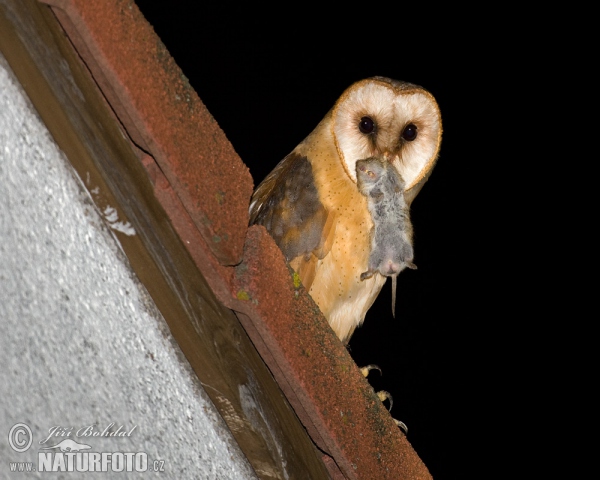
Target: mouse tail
x=394 y=295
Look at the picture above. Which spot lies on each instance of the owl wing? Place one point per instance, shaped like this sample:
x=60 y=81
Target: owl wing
x=287 y=204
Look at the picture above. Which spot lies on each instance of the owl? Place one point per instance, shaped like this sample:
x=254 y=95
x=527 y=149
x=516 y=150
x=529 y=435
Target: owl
x=311 y=204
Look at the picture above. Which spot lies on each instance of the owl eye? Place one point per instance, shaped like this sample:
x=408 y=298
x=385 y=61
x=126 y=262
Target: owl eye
x=366 y=125
x=410 y=132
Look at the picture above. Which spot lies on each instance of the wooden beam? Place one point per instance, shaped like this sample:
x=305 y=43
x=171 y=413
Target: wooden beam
x=116 y=174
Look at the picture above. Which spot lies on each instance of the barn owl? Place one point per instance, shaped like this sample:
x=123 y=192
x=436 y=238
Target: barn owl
x=311 y=204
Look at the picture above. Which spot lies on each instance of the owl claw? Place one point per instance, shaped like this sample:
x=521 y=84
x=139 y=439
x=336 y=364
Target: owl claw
x=402 y=425
x=383 y=395
x=365 y=370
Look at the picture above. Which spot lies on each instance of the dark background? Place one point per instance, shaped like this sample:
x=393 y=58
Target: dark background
x=269 y=77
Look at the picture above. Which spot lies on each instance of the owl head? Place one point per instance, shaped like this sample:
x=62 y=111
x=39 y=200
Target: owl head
x=398 y=121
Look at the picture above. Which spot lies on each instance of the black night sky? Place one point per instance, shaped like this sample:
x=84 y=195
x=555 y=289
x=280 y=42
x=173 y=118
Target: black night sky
x=268 y=78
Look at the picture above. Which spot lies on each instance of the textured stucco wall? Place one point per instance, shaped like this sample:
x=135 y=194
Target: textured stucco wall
x=81 y=342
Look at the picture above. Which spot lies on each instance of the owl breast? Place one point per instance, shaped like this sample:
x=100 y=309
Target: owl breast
x=337 y=287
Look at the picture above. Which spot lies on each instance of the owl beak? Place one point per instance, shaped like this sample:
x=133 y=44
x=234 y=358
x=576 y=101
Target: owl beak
x=391 y=158
x=394 y=160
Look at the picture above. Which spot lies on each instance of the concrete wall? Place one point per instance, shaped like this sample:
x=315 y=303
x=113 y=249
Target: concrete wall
x=81 y=342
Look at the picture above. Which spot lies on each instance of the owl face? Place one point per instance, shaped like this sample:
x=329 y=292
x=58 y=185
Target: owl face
x=380 y=117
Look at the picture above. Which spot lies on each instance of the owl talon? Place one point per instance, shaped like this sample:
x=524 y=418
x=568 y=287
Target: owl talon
x=402 y=425
x=365 y=370
x=383 y=395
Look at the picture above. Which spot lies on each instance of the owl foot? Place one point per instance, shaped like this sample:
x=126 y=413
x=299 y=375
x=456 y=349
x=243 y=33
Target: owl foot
x=383 y=396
